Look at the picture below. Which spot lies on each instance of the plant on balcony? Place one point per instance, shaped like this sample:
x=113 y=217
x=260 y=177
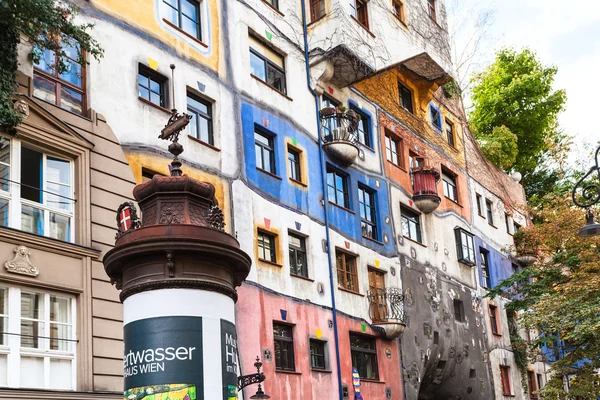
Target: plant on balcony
x=528 y=241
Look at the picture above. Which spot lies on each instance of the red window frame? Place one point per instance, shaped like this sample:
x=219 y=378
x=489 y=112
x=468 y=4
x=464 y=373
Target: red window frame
x=505 y=378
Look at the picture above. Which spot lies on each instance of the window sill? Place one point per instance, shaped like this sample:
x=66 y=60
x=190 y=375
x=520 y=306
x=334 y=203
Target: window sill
x=273 y=8
x=269 y=173
x=298 y=182
x=497 y=334
x=178 y=29
x=397 y=166
x=404 y=24
x=482 y=216
x=322 y=371
x=454 y=201
x=151 y=104
x=373 y=240
x=302 y=277
x=493 y=226
x=342 y=207
x=351 y=291
x=414 y=241
x=271 y=87
x=316 y=20
x=367 y=147
x=364 y=27
x=262 y=260
x=284 y=371
x=202 y=142
x=372 y=381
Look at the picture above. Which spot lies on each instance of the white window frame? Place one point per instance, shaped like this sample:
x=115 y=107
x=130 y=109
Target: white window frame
x=13 y=196
x=13 y=350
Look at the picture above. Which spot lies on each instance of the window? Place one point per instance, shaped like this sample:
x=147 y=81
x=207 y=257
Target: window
x=64 y=89
x=411 y=224
x=317 y=354
x=449 y=182
x=358 y=9
x=505 y=378
x=368 y=213
x=516 y=227
x=459 y=310
x=398 y=7
x=274 y=3
x=416 y=161
x=464 y=246
x=183 y=14
x=436 y=117
x=337 y=188
x=40 y=188
x=478 y=199
x=330 y=124
x=317 y=9
x=450 y=133
x=431 y=9
x=267 y=65
x=294 y=164
x=297 y=249
x=494 y=320
x=42 y=347
x=485 y=268
x=393 y=149
x=265 y=153
x=490 y=212
x=364 y=122
x=532 y=385
x=152 y=86
x=377 y=297
x=507 y=222
x=540 y=384
x=266 y=247
x=364 y=356
x=406 y=100
x=147 y=175
x=201 y=122
x=284 y=347
x=346 y=271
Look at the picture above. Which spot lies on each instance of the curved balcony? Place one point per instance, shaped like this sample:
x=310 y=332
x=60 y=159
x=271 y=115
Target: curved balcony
x=425 y=194
x=386 y=309
x=339 y=129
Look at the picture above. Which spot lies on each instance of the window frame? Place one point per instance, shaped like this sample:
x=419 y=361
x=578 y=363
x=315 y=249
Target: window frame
x=160 y=79
x=505 y=380
x=484 y=260
x=288 y=341
x=272 y=243
x=207 y=116
x=361 y=17
x=435 y=115
x=344 y=274
x=362 y=353
x=411 y=220
x=431 y=10
x=404 y=93
x=489 y=211
x=269 y=147
x=450 y=187
x=459 y=310
x=400 y=11
x=302 y=249
x=459 y=234
x=181 y=15
x=507 y=222
x=450 y=135
x=295 y=165
x=273 y=3
x=318 y=12
x=364 y=122
x=478 y=199
x=369 y=210
x=311 y=355
x=494 y=322
x=394 y=146
x=268 y=63
x=345 y=189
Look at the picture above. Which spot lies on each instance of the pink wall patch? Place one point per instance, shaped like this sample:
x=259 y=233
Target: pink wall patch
x=267 y=223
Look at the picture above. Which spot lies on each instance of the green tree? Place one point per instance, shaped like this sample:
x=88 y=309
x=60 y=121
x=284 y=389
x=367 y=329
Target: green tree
x=515 y=92
x=43 y=24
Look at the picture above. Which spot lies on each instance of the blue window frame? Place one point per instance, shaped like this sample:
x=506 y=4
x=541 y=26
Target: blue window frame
x=364 y=124
x=436 y=117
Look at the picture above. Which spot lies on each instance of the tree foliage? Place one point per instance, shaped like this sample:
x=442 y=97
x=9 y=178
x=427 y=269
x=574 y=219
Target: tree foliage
x=501 y=147
x=45 y=25
x=560 y=296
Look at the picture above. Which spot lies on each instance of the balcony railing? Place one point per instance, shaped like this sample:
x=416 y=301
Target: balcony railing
x=386 y=309
x=425 y=193
x=339 y=133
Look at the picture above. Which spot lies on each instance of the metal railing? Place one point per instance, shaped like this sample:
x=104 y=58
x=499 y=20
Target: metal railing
x=386 y=305
x=339 y=125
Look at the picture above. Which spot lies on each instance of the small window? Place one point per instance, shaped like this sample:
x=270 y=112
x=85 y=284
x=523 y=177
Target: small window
x=368 y=213
x=337 y=188
x=297 y=251
x=450 y=133
x=465 y=247
x=147 y=175
x=406 y=100
x=505 y=377
x=490 y=211
x=266 y=247
x=540 y=383
x=267 y=65
x=346 y=271
x=317 y=354
x=393 y=149
x=449 y=183
x=431 y=10
x=507 y=222
x=459 y=310
x=265 y=152
x=479 y=208
x=284 y=347
x=358 y=9
x=317 y=9
x=494 y=320
x=532 y=385
x=472 y=373
x=378 y=309
x=399 y=12
x=416 y=161
x=201 y=122
x=152 y=86
x=436 y=117
x=184 y=15
x=516 y=227
x=411 y=224
x=485 y=268
x=364 y=123
x=294 y=164
x=364 y=356
x=273 y=3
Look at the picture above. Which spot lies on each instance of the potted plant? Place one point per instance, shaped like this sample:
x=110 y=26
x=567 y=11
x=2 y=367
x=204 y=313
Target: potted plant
x=528 y=242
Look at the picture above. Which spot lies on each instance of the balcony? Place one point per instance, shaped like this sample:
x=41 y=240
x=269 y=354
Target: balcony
x=339 y=134
x=386 y=309
x=425 y=193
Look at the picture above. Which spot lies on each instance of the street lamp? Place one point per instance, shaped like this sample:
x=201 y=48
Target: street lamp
x=258 y=377
x=590 y=196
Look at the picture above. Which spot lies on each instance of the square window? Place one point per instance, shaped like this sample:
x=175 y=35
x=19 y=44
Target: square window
x=364 y=356
x=394 y=149
x=317 y=354
x=184 y=15
x=317 y=9
x=284 y=347
x=465 y=247
x=267 y=64
x=297 y=253
x=436 y=117
x=152 y=86
x=411 y=224
x=406 y=100
x=368 y=212
x=459 y=310
x=346 y=271
x=337 y=188
x=358 y=9
x=201 y=124
x=265 y=151
x=266 y=247
x=294 y=164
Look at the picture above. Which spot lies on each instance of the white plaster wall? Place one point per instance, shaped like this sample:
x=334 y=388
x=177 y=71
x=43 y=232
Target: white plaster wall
x=505 y=357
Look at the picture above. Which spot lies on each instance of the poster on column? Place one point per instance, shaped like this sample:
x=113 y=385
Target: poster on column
x=229 y=360
x=163 y=359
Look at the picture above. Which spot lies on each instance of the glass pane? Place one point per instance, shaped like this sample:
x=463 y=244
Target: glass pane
x=3 y=370
x=197 y=105
x=58 y=170
x=4 y=163
x=143 y=93
x=44 y=89
x=193 y=125
x=71 y=50
x=58 y=332
x=170 y=13
x=60 y=227
x=60 y=374
x=189 y=26
x=154 y=86
x=32 y=305
x=296 y=241
x=31 y=174
x=143 y=81
x=267 y=155
x=155 y=98
x=3 y=215
x=30 y=332
x=261 y=138
x=60 y=309
x=257 y=65
x=71 y=100
x=32 y=372
x=47 y=61
x=172 y=3
x=276 y=79
x=73 y=74
x=62 y=198
x=204 y=130
x=32 y=220
x=258 y=151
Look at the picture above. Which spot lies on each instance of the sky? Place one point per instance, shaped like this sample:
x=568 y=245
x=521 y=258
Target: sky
x=563 y=33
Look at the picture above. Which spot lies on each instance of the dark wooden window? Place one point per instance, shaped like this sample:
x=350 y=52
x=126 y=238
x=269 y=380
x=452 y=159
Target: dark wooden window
x=378 y=302
x=450 y=133
x=465 y=247
x=436 y=117
x=267 y=65
x=459 y=310
x=337 y=188
x=494 y=320
x=284 y=347
x=185 y=15
x=265 y=152
x=294 y=163
x=485 y=268
x=152 y=86
x=532 y=385
x=411 y=224
x=317 y=354
x=364 y=356
x=346 y=271
x=505 y=377
x=274 y=3
x=363 y=132
x=393 y=149
x=431 y=10
x=399 y=12
x=478 y=199
x=507 y=222
x=201 y=126
x=449 y=183
x=490 y=211
x=297 y=252
x=368 y=213
x=539 y=381
x=65 y=89
x=406 y=99
x=317 y=9
x=266 y=247
x=358 y=9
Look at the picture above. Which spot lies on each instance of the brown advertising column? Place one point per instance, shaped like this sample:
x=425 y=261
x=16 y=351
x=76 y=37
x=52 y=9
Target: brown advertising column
x=177 y=270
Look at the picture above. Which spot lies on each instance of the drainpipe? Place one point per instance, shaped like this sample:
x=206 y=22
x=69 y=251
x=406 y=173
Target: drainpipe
x=326 y=208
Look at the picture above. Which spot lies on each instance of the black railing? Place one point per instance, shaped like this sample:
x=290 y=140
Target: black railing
x=338 y=126
x=386 y=305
